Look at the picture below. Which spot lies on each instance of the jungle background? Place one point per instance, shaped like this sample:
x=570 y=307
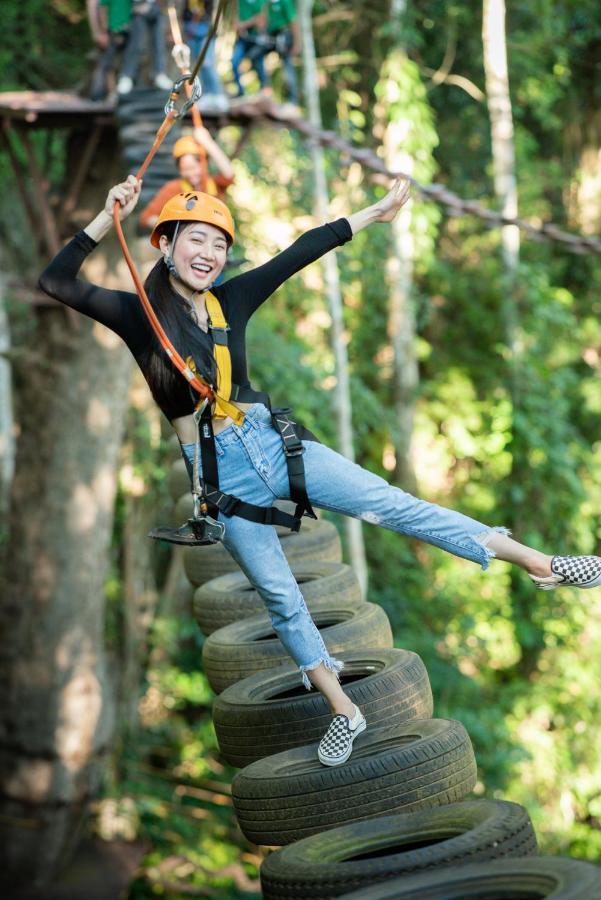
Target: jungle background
x=493 y=408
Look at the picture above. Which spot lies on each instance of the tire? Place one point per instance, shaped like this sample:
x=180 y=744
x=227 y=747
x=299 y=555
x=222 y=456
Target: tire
x=178 y=481
x=397 y=768
x=243 y=648
x=272 y=711
x=330 y=863
x=230 y=598
x=182 y=509
x=504 y=879
x=317 y=540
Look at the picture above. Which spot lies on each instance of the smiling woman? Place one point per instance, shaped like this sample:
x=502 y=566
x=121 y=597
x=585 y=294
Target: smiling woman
x=245 y=455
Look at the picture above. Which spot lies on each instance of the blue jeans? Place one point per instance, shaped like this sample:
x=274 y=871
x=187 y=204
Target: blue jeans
x=195 y=35
x=283 y=45
x=247 y=48
x=252 y=466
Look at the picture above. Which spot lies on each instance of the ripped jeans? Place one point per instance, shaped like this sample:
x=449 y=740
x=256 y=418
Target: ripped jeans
x=252 y=466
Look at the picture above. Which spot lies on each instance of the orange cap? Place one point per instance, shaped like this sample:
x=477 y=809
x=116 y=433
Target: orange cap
x=195 y=207
x=187 y=145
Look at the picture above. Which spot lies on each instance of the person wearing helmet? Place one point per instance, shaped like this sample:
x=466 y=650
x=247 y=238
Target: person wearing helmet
x=191 y=155
x=193 y=234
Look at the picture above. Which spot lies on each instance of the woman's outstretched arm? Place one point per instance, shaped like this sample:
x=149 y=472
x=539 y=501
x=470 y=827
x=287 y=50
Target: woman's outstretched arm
x=249 y=290
x=59 y=279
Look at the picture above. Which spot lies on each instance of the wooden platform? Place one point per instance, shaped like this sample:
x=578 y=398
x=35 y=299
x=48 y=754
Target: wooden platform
x=51 y=109
x=56 y=109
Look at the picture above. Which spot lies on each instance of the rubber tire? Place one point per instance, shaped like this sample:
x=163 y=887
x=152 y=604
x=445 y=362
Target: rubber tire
x=325 y=865
x=272 y=711
x=317 y=540
x=231 y=597
x=396 y=768
x=178 y=481
x=556 y=878
x=243 y=648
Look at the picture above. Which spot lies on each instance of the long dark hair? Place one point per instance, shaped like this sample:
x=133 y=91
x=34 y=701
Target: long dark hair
x=175 y=315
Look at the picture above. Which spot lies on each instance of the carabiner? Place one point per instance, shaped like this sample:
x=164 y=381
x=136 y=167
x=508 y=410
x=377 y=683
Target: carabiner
x=195 y=95
x=199 y=409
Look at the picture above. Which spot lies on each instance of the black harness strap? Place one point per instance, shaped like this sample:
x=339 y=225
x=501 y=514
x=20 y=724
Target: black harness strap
x=293 y=448
x=264 y=515
x=216 y=500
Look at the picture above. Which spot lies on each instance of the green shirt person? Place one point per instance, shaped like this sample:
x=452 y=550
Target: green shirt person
x=280 y=14
x=118 y=14
x=282 y=26
x=109 y=23
x=250 y=15
x=251 y=42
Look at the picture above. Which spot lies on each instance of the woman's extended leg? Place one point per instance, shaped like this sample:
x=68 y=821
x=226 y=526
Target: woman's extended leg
x=335 y=483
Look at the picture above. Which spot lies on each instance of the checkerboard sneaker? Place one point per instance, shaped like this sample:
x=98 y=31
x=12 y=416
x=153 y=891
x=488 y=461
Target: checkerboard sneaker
x=336 y=745
x=571 y=571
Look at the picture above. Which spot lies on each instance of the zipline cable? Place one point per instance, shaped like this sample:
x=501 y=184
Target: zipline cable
x=171 y=116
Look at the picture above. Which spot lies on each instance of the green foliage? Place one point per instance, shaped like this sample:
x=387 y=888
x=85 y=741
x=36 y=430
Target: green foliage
x=520 y=669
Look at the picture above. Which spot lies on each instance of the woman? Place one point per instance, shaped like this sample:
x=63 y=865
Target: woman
x=191 y=155
x=250 y=457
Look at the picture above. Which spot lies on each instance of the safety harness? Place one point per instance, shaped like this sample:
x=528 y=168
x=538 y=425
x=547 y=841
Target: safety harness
x=209 y=499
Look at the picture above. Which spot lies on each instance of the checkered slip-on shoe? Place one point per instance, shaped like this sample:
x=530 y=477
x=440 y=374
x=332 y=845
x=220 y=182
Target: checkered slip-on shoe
x=336 y=745
x=571 y=571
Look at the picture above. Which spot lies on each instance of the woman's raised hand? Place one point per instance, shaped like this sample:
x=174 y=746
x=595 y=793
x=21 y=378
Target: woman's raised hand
x=126 y=194
x=397 y=196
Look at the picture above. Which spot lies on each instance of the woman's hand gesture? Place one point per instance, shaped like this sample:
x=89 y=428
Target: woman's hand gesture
x=126 y=194
x=387 y=208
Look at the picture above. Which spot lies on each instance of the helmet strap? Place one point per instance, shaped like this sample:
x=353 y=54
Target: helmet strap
x=169 y=262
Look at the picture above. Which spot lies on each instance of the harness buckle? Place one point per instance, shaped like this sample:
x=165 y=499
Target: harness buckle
x=230 y=504
x=294 y=450
x=219 y=334
x=199 y=409
x=195 y=95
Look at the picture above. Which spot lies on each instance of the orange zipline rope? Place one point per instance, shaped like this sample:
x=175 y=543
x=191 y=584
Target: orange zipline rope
x=199 y=386
x=171 y=115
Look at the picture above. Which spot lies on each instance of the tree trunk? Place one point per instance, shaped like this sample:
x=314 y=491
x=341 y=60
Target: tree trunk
x=7 y=425
x=409 y=136
x=342 y=393
x=503 y=151
x=401 y=315
x=56 y=696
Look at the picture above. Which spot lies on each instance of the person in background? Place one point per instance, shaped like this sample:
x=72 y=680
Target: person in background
x=249 y=28
x=146 y=19
x=283 y=30
x=109 y=24
x=198 y=17
x=191 y=155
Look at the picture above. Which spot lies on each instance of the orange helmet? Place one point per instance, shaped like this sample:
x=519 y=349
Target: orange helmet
x=187 y=145
x=195 y=207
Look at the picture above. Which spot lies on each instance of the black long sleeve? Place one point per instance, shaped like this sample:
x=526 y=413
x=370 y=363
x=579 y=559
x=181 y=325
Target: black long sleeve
x=251 y=289
x=118 y=310
x=122 y=312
